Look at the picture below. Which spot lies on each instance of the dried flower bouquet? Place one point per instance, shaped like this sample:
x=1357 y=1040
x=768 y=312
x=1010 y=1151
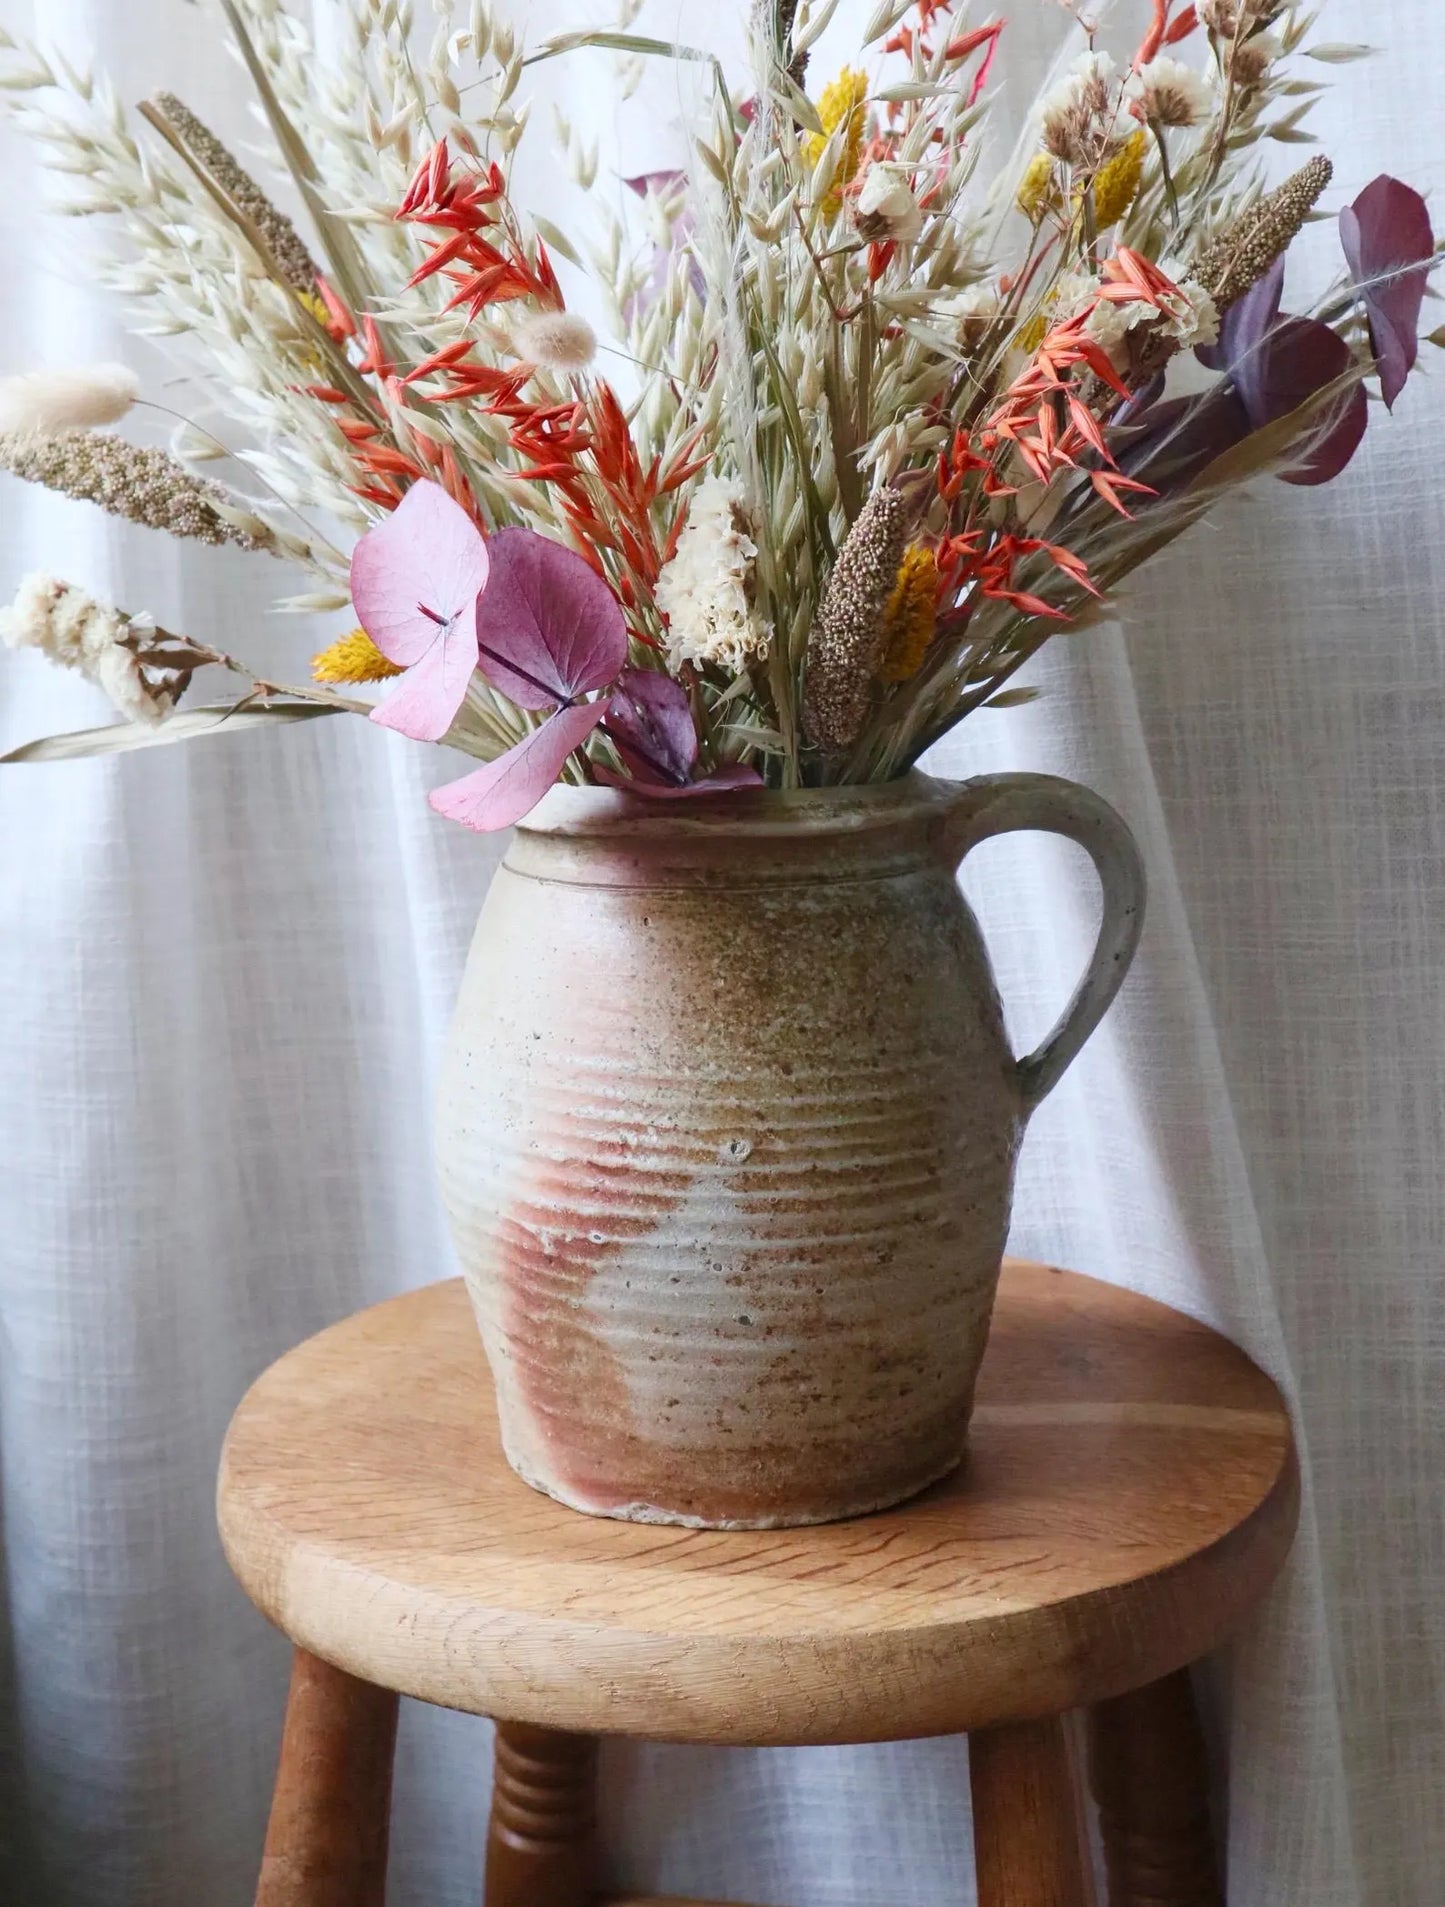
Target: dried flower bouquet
x=890 y=410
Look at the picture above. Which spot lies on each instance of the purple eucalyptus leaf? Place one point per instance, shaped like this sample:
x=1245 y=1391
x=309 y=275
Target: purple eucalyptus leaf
x=663 y=179
x=509 y=787
x=1387 y=242
x=1139 y=401
x=1294 y=361
x=731 y=775
x=548 y=628
x=1246 y=322
x=663 y=185
x=1172 y=443
x=650 y=718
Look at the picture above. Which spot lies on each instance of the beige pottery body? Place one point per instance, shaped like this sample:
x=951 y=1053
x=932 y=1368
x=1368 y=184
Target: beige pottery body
x=727 y=1127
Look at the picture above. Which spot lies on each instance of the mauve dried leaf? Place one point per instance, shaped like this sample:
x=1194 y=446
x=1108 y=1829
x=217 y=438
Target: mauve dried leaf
x=548 y=627
x=1387 y=240
x=650 y=719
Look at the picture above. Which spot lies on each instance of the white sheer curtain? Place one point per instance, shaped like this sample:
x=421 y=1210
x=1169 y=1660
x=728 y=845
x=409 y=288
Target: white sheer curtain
x=225 y=974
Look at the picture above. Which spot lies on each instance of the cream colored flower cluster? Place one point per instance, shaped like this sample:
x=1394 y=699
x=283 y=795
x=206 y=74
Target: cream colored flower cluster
x=80 y=633
x=705 y=592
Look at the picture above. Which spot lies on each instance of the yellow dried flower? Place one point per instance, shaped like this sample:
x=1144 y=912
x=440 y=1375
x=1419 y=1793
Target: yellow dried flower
x=1037 y=189
x=910 y=615
x=1117 y=180
x=354 y=658
x=1032 y=335
x=843 y=102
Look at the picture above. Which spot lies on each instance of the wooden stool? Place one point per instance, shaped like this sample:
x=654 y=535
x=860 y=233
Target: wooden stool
x=1130 y=1491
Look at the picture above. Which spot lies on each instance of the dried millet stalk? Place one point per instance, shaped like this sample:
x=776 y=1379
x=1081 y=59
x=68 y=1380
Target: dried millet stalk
x=133 y=481
x=1241 y=256
x=843 y=648
x=287 y=247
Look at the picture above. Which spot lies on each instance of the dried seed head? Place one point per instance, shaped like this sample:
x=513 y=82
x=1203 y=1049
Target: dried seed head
x=79 y=398
x=287 y=247
x=1117 y=181
x=843 y=647
x=1232 y=19
x=557 y=340
x=886 y=208
x=353 y=657
x=1079 y=119
x=910 y=616
x=100 y=642
x=1169 y=93
x=1241 y=256
x=130 y=480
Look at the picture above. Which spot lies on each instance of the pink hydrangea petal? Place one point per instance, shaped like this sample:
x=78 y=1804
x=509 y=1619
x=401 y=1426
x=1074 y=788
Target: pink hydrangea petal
x=733 y=775
x=425 y=700
x=428 y=551
x=548 y=627
x=512 y=785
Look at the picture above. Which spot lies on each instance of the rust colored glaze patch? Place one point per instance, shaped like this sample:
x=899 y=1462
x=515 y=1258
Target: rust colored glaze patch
x=569 y=1380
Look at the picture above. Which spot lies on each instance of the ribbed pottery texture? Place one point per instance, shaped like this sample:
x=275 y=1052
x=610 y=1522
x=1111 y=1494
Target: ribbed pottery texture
x=727 y=1128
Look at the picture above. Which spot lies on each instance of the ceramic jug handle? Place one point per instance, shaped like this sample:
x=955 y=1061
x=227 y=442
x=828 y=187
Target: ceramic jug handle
x=1007 y=804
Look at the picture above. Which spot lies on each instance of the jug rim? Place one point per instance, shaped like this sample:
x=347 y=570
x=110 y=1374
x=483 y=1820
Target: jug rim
x=851 y=808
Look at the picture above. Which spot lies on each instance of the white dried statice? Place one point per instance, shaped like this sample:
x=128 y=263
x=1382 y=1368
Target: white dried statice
x=706 y=591
x=80 y=398
x=970 y=311
x=1169 y=93
x=1188 y=318
x=1082 y=116
x=886 y=208
x=78 y=632
x=1246 y=63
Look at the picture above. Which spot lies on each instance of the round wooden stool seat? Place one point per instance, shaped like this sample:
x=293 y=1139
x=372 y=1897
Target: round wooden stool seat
x=1130 y=1491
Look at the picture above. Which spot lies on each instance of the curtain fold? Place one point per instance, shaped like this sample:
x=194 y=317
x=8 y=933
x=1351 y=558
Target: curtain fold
x=226 y=970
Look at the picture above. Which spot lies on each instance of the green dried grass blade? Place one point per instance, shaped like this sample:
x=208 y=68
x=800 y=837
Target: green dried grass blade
x=342 y=253
x=1269 y=449
x=118 y=738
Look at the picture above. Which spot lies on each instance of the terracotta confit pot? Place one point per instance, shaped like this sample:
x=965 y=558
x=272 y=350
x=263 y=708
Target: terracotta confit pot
x=727 y=1128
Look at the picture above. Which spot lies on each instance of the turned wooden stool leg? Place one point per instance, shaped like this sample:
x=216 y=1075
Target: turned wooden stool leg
x=330 y=1814
x=1151 y=1781
x=539 y=1845
x=1027 y=1835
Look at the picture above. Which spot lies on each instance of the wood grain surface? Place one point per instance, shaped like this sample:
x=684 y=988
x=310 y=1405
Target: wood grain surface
x=1151 y=1781
x=1130 y=1491
x=540 y=1837
x=1028 y=1845
x=326 y=1843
